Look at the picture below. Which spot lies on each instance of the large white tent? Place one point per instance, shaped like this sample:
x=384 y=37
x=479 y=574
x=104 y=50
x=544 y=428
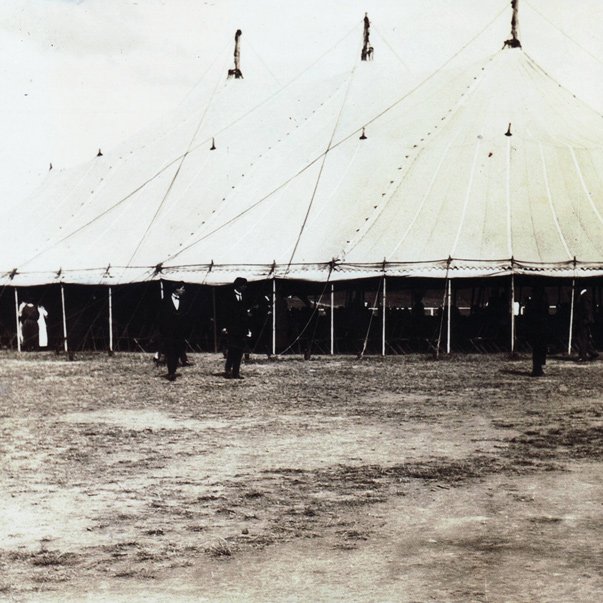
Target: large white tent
x=351 y=169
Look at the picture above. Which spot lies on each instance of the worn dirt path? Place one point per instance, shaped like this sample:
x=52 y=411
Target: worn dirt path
x=331 y=480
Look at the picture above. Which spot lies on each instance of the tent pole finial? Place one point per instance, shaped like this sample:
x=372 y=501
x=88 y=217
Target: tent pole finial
x=363 y=135
x=513 y=41
x=367 y=50
x=236 y=72
x=508 y=132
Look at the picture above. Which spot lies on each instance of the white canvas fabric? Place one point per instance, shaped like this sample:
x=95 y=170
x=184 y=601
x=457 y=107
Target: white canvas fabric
x=480 y=171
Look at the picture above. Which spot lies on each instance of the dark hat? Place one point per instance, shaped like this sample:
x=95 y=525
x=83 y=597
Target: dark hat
x=239 y=281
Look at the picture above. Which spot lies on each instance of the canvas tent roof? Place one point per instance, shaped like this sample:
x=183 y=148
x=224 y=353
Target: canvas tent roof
x=292 y=189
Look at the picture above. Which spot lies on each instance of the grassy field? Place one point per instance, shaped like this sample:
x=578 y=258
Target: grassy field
x=334 y=479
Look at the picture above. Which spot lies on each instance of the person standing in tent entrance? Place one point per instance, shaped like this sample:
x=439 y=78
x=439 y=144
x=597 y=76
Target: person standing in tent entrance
x=42 y=329
x=28 y=316
x=172 y=324
x=538 y=328
x=583 y=327
x=237 y=328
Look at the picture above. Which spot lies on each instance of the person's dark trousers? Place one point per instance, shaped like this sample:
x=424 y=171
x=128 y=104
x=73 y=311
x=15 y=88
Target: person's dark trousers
x=172 y=354
x=583 y=342
x=233 y=360
x=538 y=357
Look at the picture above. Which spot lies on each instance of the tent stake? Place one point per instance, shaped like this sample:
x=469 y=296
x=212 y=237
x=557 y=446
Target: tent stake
x=383 y=306
x=273 y=316
x=449 y=321
x=571 y=318
x=65 y=344
x=18 y=322
x=110 y=322
x=332 y=319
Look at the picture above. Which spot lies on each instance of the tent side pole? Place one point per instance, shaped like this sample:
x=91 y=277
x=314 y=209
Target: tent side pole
x=215 y=322
x=65 y=344
x=110 y=321
x=571 y=318
x=449 y=320
x=512 y=313
x=17 y=319
x=273 y=316
x=332 y=319
x=383 y=306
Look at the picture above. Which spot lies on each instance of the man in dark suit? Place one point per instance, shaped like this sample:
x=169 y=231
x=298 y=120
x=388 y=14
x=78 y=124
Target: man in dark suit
x=237 y=327
x=173 y=321
x=538 y=328
x=584 y=321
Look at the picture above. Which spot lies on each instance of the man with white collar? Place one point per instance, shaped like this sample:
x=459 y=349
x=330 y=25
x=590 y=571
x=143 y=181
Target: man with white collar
x=237 y=327
x=173 y=328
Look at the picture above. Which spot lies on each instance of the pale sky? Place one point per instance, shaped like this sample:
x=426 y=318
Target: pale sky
x=82 y=74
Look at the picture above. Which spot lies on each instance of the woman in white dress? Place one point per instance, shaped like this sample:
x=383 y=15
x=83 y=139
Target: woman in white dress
x=42 y=330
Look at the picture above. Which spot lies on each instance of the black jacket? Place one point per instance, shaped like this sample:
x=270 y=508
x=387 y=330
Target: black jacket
x=237 y=315
x=173 y=323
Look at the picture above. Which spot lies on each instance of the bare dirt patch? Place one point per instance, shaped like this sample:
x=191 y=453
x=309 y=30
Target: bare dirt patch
x=398 y=479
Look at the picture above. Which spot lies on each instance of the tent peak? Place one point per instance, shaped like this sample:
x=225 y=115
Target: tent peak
x=513 y=41
x=236 y=72
x=367 y=50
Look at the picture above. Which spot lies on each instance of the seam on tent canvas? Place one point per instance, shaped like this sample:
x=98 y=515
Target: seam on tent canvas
x=583 y=183
x=280 y=91
x=99 y=216
x=536 y=65
x=508 y=200
x=545 y=18
x=251 y=169
x=53 y=209
x=387 y=43
x=422 y=203
x=336 y=188
x=550 y=199
x=263 y=102
x=467 y=196
x=176 y=174
x=219 y=54
x=257 y=54
x=172 y=119
x=176 y=159
x=245 y=211
x=251 y=207
x=322 y=165
x=405 y=174
x=440 y=68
